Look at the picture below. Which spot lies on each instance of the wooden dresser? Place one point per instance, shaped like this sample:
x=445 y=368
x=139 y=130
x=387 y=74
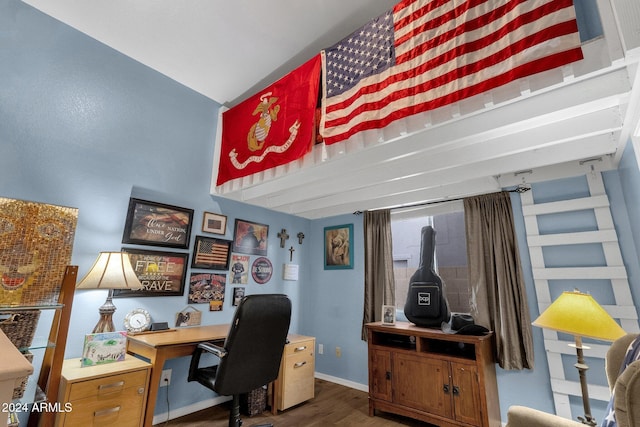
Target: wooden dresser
x=113 y=394
x=296 y=381
x=444 y=379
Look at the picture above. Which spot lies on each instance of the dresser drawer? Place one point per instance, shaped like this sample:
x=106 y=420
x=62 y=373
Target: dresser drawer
x=121 y=409
x=108 y=386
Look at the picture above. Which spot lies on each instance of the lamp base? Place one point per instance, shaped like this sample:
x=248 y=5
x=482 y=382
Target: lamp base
x=582 y=368
x=105 y=324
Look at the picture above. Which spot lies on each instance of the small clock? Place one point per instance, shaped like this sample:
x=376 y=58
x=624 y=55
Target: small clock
x=137 y=320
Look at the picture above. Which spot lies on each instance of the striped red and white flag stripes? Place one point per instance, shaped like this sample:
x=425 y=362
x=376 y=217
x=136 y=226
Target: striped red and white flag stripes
x=446 y=51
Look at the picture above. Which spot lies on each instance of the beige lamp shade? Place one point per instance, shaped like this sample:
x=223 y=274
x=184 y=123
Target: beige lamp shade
x=580 y=315
x=112 y=270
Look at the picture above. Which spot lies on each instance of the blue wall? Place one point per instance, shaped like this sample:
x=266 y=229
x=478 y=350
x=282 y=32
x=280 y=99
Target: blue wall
x=82 y=125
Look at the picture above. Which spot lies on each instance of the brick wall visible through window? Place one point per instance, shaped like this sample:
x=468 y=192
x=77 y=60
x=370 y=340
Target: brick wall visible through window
x=451 y=255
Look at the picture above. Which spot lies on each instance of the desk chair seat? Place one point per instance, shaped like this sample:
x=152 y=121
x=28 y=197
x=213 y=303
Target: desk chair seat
x=251 y=354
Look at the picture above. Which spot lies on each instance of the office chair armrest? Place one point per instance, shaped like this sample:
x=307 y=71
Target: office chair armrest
x=214 y=349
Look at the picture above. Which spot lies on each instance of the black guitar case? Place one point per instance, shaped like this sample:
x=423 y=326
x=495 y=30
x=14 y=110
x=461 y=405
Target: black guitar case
x=427 y=303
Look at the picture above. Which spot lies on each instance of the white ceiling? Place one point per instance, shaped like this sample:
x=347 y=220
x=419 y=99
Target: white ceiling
x=219 y=48
x=559 y=123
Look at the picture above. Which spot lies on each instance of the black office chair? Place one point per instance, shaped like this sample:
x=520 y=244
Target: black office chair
x=252 y=351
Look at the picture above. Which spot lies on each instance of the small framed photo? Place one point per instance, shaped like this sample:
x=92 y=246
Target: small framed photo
x=238 y=294
x=157 y=224
x=211 y=253
x=214 y=223
x=338 y=244
x=388 y=315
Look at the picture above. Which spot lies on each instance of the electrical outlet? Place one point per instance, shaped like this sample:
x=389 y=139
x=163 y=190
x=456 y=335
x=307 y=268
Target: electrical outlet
x=165 y=379
x=320 y=349
x=338 y=352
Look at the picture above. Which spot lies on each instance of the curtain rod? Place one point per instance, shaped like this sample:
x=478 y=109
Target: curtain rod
x=521 y=188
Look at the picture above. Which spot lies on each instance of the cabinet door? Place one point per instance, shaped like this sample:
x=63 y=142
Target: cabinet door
x=380 y=374
x=422 y=383
x=466 y=393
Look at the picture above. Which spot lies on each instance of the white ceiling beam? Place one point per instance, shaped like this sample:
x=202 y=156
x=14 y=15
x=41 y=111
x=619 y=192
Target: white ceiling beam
x=396 y=176
x=339 y=201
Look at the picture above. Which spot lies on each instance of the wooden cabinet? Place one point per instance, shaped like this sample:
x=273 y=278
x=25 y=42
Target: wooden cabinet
x=296 y=381
x=422 y=373
x=103 y=395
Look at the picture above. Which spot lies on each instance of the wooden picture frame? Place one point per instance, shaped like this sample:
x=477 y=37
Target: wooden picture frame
x=211 y=253
x=157 y=224
x=214 y=223
x=161 y=273
x=250 y=237
x=338 y=247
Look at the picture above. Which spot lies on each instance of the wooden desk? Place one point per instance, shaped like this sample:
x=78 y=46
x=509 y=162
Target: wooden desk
x=160 y=346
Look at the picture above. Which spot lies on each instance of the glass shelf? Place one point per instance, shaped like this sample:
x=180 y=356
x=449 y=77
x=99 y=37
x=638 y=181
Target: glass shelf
x=30 y=307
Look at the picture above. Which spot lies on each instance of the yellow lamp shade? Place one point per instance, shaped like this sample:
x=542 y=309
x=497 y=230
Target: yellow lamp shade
x=579 y=314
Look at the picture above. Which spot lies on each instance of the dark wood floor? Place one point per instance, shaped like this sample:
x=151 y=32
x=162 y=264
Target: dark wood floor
x=333 y=405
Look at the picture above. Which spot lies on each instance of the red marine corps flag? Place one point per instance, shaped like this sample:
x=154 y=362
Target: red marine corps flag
x=273 y=127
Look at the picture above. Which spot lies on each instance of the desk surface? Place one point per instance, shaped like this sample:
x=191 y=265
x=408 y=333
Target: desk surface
x=187 y=335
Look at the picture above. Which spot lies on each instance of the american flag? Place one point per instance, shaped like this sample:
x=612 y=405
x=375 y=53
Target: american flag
x=211 y=252
x=425 y=54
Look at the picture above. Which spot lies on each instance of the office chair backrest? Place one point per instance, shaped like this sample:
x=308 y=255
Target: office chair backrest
x=254 y=345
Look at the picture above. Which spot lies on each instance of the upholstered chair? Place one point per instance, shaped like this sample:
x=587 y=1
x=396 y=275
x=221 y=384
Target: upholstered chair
x=626 y=401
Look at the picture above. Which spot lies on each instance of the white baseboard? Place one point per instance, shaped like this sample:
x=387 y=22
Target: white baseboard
x=342 y=381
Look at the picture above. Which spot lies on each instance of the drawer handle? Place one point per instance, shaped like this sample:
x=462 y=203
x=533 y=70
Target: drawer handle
x=108 y=386
x=104 y=412
x=302 y=348
x=299 y=364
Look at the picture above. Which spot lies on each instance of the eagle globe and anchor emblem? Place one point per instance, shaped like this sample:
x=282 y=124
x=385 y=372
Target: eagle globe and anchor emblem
x=267 y=111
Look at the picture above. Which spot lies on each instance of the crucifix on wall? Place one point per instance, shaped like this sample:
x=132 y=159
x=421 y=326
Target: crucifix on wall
x=282 y=235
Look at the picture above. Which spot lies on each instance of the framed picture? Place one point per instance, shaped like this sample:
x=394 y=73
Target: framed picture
x=206 y=287
x=338 y=244
x=156 y=224
x=211 y=253
x=161 y=273
x=238 y=294
x=239 y=269
x=214 y=223
x=250 y=237
x=388 y=315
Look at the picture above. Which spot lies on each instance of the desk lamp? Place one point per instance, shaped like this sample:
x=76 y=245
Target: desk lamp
x=580 y=315
x=112 y=270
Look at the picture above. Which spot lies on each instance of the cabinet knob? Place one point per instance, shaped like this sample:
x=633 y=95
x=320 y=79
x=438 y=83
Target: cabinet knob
x=445 y=388
x=141 y=390
x=299 y=364
x=456 y=390
x=302 y=348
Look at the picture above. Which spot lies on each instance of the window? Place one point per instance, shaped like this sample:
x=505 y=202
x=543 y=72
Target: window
x=450 y=256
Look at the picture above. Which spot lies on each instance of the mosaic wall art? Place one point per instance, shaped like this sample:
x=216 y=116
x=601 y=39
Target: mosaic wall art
x=36 y=241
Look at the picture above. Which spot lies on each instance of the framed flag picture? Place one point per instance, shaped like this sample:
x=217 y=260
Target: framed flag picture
x=211 y=253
